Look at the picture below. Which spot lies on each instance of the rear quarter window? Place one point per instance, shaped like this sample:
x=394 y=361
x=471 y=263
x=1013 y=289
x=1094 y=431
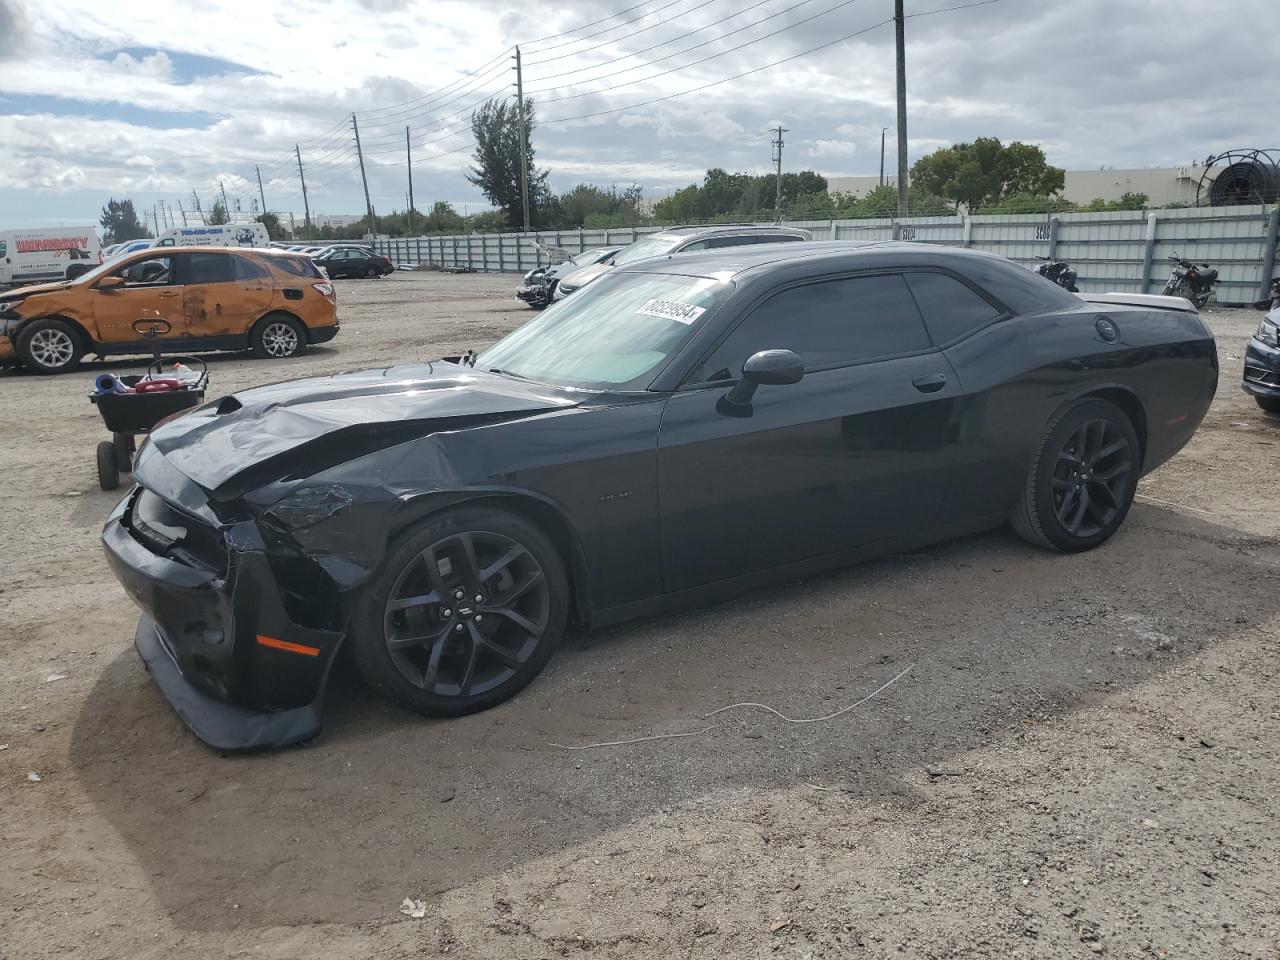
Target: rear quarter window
x=297 y=266
x=951 y=310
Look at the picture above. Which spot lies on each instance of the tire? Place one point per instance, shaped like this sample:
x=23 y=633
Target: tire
x=459 y=655
x=1075 y=502
x=1269 y=404
x=278 y=336
x=108 y=469
x=50 y=346
x=372 y=273
x=77 y=270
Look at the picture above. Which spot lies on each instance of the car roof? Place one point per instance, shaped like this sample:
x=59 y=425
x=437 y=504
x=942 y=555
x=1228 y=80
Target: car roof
x=730 y=262
x=169 y=251
x=736 y=229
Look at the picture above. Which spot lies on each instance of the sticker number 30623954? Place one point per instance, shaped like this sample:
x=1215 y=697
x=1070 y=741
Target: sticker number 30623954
x=671 y=310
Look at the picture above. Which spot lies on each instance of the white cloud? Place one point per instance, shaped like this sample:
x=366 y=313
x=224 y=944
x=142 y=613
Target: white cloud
x=115 y=98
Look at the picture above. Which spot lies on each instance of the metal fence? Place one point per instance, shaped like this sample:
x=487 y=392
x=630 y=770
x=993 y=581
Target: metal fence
x=1123 y=251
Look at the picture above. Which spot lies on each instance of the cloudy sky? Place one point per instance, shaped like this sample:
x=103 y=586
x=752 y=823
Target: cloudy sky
x=157 y=100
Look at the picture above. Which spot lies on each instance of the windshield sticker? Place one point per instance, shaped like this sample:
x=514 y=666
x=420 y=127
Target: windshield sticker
x=671 y=310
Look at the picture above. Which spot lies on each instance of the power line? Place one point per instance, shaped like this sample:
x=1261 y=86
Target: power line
x=655 y=46
x=694 y=63
x=635 y=33
x=598 y=33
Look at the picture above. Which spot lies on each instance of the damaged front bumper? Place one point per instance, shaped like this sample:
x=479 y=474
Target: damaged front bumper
x=215 y=632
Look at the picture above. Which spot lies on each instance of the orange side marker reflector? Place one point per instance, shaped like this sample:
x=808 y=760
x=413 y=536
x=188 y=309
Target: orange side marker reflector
x=1176 y=420
x=288 y=647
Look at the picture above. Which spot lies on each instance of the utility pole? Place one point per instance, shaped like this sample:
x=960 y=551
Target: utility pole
x=408 y=156
x=155 y=220
x=262 y=196
x=306 y=207
x=196 y=197
x=226 y=207
x=777 y=157
x=899 y=29
x=168 y=213
x=182 y=211
x=524 y=142
x=373 y=227
x=882 y=132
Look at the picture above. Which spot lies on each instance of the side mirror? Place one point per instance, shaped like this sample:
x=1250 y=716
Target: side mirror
x=110 y=283
x=767 y=367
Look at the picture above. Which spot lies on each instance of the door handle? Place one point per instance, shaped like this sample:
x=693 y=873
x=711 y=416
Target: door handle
x=166 y=294
x=931 y=383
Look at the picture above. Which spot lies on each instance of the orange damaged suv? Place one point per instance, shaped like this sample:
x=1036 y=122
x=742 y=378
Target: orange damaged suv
x=210 y=298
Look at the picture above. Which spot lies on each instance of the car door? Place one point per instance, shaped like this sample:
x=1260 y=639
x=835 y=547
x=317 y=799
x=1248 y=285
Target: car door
x=151 y=291
x=857 y=452
x=338 y=263
x=214 y=302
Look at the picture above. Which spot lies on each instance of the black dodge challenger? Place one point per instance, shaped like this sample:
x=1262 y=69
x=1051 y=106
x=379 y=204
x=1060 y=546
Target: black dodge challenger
x=681 y=430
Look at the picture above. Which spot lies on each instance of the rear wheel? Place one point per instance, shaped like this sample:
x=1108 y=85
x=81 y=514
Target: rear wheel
x=372 y=273
x=1269 y=404
x=1082 y=481
x=50 y=346
x=467 y=610
x=278 y=336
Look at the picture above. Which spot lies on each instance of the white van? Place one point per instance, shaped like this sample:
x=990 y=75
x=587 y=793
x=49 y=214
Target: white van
x=42 y=254
x=224 y=235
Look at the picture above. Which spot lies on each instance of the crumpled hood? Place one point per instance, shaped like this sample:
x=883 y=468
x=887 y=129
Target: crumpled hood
x=21 y=293
x=215 y=442
x=584 y=275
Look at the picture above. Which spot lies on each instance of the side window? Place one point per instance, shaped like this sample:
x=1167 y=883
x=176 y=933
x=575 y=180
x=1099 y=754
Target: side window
x=155 y=272
x=694 y=247
x=209 y=268
x=247 y=269
x=715 y=243
x=166 y=242
x=950 y=309
x=778 y=238
x=827 y=323
x=4 y=248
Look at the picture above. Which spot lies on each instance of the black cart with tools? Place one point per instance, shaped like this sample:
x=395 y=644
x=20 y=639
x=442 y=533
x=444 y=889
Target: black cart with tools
x=128 y=414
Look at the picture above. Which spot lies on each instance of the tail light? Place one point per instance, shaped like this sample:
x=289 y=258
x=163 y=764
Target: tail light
x=324 y=289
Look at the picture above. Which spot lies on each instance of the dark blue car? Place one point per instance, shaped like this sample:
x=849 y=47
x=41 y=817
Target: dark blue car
x=1262 y=363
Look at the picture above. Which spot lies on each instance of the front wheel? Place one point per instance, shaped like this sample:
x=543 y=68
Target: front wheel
x=49 y=346
x=467 y=609
x=1082 y=481
x=1269 y=404
x=278 y=336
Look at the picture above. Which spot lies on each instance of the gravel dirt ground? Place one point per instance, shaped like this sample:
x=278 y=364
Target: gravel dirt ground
x=1082 y=760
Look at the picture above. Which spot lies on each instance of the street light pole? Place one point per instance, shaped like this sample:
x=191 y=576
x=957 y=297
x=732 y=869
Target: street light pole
x=882 y=130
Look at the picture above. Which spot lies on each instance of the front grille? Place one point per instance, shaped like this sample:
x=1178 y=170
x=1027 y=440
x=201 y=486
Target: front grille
x=168 y=532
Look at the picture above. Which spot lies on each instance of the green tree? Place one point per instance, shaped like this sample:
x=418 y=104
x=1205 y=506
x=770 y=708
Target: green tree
x=275 y=230
x=217 y=214
x=986 y=171
x=444 y=219
x=1127 y=201
x=588 y=205
x=120 y=222
x=496 y=128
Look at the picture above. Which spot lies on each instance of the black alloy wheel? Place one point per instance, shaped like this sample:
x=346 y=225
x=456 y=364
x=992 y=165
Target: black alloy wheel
x=1081 y=484
x=468 y=609
x=1090 y=476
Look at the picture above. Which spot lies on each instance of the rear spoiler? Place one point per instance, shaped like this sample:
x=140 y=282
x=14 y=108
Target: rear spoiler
x=1141 y=300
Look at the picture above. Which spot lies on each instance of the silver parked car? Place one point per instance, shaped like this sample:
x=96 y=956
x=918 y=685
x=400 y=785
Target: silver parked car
x=680 y=240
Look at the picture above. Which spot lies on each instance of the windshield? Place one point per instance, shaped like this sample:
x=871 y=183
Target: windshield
x=614 y=333
x=644 y=249
x=586 y=258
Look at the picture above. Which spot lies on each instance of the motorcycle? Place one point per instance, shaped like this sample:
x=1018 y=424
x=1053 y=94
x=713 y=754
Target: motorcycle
x=1191 y=281
x=1058 y=271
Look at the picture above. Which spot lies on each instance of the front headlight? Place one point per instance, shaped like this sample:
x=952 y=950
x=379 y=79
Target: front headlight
x=1268 y=333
